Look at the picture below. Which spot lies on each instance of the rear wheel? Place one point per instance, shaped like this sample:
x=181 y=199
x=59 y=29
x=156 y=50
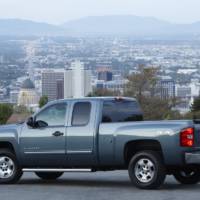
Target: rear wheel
x=49 y=175
x=10 y=171
x=188 y=176
x=146 y=170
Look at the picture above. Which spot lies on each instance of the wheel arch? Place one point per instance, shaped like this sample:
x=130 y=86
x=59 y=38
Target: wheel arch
x=134 y=146
x=7 y=145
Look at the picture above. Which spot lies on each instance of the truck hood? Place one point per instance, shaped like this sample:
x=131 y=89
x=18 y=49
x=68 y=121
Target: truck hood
x=10 y=128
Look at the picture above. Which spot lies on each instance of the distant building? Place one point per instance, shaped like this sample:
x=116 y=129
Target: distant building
x=117 y=85
x=100 y=84
x=77 y=81
x=28 y=96
x=60 y=89
x=166 y=87
x=14 y=96
x=184 y=92
x=52 y=84
x=1 y=93
x=195 y=88
x=104 y=74
x=68 y=84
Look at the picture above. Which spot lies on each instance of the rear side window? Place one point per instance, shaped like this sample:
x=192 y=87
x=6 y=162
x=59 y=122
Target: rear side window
x=81 y=114
x=121 y=111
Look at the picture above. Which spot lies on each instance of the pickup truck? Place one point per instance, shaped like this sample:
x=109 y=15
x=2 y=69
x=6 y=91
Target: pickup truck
x=100 y=134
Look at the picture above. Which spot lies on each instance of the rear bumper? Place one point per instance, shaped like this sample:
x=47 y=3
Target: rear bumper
x=192 y=158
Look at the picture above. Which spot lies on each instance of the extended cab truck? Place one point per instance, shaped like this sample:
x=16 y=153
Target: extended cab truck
x=93 y=134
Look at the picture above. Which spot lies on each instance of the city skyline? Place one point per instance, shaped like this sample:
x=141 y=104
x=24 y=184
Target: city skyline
x=110 y=63
x=58 y=13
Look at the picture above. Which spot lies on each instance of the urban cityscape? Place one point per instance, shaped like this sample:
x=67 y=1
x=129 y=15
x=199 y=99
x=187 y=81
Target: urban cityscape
x=59 y=67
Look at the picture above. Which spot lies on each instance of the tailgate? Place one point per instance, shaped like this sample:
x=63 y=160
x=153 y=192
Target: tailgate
x=197 y=132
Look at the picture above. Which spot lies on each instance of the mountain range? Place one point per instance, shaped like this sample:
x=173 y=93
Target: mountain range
x=18 y=27
x=102 y=25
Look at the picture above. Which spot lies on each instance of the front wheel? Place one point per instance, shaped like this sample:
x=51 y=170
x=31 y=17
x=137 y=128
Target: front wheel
x=146 y=170
x=10 y=171
x=187 y=176
x=49 y=175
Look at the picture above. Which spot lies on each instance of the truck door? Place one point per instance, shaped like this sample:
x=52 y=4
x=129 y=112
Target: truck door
x=45 y=147
x=80 y=142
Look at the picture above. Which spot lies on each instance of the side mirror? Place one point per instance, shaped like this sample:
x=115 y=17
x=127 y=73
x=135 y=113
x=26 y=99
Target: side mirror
x=40 y=124
x=30 y=122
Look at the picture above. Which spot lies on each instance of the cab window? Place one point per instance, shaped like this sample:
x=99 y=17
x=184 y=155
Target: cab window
x=53 y=115
x=81 y=114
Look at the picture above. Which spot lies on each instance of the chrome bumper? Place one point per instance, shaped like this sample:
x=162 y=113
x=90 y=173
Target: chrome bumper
x=192 y=158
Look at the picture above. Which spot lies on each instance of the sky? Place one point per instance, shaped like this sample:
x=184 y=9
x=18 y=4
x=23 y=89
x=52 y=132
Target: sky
x=60 y=11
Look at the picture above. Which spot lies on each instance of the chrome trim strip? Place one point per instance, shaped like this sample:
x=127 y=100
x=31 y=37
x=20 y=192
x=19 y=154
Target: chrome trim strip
x=44 y=152
x=55 y=170
x=78 y=152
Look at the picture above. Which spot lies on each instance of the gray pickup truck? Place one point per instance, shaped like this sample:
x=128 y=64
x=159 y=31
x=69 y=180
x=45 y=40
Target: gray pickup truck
x=100 y=134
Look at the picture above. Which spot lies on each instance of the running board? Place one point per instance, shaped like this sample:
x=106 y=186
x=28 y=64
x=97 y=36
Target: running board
x=55 y=170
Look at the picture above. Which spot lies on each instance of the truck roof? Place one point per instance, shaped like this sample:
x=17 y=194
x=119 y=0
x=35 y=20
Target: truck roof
x=94 y=98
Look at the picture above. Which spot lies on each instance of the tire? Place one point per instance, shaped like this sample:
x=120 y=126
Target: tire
x=187 y=176
x=10 y=171
x=146 y=170
x=49 y=175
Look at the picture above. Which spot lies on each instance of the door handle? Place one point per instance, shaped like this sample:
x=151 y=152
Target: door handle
x=57 y=134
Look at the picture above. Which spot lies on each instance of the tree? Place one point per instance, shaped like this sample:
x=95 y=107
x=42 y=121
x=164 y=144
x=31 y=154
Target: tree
x=143 y=86
x=6 y=111
x=155 y=108
x=142 y=83
x=194 y=113
x=43 y=101
x=196 y=105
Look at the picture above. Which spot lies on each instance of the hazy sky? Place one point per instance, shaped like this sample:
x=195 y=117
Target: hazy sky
x=59 y=11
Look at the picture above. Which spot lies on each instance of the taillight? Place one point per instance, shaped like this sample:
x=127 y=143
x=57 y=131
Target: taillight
x=187 y=137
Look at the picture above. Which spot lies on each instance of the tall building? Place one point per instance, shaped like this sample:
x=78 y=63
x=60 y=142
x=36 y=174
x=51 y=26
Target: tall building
x=77 y=81
x=87 y=82
x=60 y=89
x=68 y=83
x=52 y=84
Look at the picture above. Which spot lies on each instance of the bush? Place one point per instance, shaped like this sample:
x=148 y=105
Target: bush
x=6 y=111
x=43 y=101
